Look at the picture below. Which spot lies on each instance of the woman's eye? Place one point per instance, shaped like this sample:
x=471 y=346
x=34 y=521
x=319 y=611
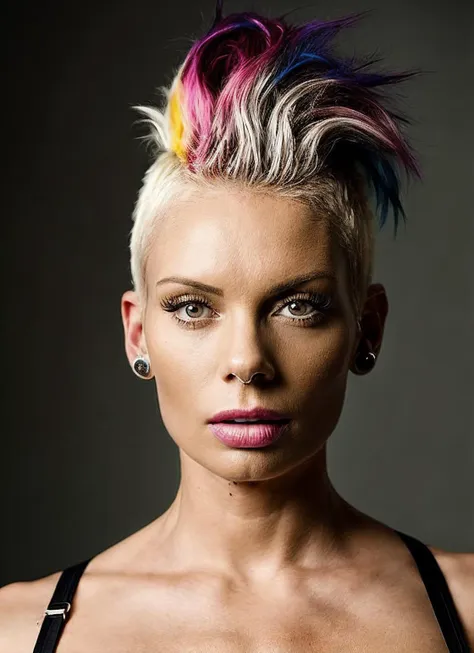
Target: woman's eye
x=300 y=311
x=191 y=310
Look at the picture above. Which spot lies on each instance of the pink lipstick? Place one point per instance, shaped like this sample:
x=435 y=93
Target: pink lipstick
x=249 y=436
x=249 y=428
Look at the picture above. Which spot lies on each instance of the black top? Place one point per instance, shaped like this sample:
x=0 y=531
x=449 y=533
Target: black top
x=430 y=572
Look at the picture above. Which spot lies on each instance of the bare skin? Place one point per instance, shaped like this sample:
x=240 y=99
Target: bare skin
x=258 y=553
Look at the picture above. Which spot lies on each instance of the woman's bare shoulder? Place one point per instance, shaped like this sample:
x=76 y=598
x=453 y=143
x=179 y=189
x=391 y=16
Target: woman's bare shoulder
x=22 y=606
x=22 y=603
x=458 y=569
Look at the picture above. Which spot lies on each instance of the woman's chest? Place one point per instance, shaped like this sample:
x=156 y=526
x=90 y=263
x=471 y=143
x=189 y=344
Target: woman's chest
x=203 y=627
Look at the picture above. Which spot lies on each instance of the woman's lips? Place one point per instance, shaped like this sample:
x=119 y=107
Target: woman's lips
x=249 y=436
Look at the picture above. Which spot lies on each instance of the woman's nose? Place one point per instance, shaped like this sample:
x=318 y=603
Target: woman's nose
x=245 y=352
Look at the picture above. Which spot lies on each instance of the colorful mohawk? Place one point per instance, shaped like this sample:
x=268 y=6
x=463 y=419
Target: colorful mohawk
x=269 y=104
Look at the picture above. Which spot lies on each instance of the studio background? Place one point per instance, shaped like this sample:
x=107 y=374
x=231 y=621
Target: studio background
x=85 y=458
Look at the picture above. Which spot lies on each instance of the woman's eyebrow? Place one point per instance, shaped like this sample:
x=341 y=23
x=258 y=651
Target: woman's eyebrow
x=279 y=288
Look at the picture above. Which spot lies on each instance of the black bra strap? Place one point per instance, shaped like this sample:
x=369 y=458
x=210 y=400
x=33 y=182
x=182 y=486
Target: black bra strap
x=439 y=595
x=58 y=609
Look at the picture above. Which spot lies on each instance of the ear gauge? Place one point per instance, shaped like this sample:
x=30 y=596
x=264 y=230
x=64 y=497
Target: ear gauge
x=364 y=360
x=141 y=367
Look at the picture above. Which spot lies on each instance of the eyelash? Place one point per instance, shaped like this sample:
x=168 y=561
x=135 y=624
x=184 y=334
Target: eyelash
x=321 y=301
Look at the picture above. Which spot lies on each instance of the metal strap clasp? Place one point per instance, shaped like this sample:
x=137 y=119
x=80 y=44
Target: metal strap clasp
x=59 y=608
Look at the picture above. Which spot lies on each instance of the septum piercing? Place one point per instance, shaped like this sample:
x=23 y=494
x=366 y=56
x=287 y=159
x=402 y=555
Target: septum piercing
x=245 y=382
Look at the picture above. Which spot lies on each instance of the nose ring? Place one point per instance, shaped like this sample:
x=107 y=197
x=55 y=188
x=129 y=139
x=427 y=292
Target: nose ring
x=246 y=382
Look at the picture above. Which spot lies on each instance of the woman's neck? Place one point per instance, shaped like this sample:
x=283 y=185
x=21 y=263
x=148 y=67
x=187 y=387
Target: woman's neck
x=256 y=530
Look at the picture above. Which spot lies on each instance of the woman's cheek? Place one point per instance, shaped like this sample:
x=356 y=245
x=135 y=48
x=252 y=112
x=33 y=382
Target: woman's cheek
x=328 y=360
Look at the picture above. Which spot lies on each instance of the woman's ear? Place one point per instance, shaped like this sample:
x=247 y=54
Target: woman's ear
x=132 y=325
x=372 y=322
x=374 y=315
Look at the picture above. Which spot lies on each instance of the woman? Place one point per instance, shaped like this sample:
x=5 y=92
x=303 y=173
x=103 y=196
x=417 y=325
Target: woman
x=251 y=257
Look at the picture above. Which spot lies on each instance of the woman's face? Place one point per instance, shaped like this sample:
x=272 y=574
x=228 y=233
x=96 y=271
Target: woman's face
x=301 y=339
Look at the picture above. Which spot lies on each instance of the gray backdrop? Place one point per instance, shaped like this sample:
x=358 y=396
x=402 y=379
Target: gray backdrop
x=85 y=458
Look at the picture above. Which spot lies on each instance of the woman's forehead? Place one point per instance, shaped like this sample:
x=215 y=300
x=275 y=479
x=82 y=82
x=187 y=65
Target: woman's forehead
x=235 y=238
x=236 y=226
